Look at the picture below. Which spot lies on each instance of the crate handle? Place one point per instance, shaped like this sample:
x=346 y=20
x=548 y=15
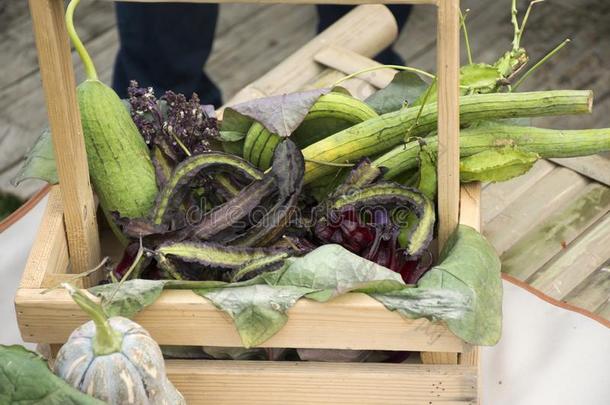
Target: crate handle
x=64 y=118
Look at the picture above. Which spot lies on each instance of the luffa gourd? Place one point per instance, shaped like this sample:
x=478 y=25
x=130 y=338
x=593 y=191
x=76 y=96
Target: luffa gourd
x=114 y=359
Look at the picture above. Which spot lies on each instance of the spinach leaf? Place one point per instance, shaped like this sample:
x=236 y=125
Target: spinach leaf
x=25 y=378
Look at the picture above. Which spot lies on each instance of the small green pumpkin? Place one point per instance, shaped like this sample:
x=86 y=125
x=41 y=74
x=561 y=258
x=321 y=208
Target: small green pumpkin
x=114 y=360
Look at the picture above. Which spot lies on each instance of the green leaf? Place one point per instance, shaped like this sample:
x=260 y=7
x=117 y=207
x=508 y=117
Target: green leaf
x=332 y=270
x=129 y=298
x=259 y=311
x=40 y=162
x=497 y=165
x=25 y=378
x=234 y=126
x=479 y=77
x=470 y=266
x=406 y=87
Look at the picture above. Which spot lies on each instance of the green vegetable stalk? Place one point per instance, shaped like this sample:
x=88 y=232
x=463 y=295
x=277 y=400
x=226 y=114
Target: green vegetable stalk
x=548 y=143
x=378 y=135
x=106 y=339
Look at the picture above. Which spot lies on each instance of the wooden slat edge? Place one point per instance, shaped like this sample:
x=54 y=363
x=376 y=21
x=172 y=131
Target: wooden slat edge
x=49 y=252
x=64 y=120
x=352 y=321
x=348 y=62
x=448 y=75
x=265 y=382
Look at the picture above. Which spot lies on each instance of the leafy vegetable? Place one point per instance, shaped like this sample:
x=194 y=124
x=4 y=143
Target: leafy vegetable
x=40 y=162
x=25 y=378
x=281 y=114
x=128 y=300
x=405 y=88
x=469 y=264
x=464 y=290
x=259 y=311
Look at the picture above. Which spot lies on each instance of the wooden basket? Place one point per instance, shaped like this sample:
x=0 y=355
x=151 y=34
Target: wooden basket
x=68 y=242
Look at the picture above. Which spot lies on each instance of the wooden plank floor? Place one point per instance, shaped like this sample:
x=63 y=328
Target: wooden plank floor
x=551 y=226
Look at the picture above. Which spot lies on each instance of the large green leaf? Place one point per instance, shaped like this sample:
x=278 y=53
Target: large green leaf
x=469 y=265
x=405 y=88
x=259 y=311
x=25 y=378
x=332 y=270
x=39 y=162
x=128 y=298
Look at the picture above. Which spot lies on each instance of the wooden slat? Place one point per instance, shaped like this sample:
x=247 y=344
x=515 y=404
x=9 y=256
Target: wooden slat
x=497 y=196
x=555 y=234
x=348 y=62
x=448 y=76
x=49 y=252
x=594 y=291
x=358 y=87
x=470 y=205
x=549 y=194
x=581 y=259
x=604 y=310
x=238 y=382
x=352 y=321
x=596 y=167
x=64 y=119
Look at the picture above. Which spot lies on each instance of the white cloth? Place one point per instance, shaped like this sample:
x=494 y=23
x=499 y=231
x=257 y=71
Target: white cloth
x=547 y=355
x=15 y=245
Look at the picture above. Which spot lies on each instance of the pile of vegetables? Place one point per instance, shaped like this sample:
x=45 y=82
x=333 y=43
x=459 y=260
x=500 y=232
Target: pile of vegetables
x=312 y=194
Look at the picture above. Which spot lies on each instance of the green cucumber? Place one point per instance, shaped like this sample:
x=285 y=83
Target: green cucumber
x=333 y=112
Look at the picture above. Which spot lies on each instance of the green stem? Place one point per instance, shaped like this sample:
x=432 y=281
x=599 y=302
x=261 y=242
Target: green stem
x=466 y=38
x=106 y=340
x=548 y=143
x=380 y=134
x=525 y=18
x=78 y=45
x=540 y=63
x=396 y=67
x=515 y=22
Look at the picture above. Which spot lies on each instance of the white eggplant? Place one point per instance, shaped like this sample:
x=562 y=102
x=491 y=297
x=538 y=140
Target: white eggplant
x=114 y=360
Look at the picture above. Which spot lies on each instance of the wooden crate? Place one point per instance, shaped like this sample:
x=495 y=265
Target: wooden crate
x=68 y=242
